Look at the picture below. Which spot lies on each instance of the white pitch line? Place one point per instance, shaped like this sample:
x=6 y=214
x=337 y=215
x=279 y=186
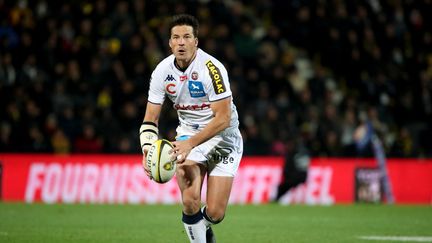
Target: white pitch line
x=398 y=238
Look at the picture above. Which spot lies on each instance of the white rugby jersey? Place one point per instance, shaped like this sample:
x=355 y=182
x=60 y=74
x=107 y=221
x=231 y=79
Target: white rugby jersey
x=191 y=91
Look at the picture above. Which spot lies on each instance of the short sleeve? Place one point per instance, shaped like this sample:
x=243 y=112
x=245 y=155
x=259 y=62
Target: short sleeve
x=156 y=92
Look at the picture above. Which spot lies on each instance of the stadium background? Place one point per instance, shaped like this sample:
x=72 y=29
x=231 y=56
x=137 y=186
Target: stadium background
x=73 y=88
x=74 y=75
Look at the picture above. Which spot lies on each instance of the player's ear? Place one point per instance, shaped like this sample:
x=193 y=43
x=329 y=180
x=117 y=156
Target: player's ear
x=196 y=41
x=169 y=43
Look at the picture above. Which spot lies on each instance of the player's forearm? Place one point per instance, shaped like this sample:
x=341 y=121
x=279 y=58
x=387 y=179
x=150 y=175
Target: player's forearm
x=152 y=113
x=151 y=117
x=217 y=125
x=149 y=131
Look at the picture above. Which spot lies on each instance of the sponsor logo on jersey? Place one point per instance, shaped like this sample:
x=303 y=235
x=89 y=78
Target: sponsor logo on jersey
x=170 y=78
x=183 y=78
x=170 y=88
x=194 y=75
x=216 y=77
x=196 y=89
x=203 y=106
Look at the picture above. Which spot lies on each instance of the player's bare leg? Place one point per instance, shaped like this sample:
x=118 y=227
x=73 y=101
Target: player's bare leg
x=218 y=193
x=190 y=176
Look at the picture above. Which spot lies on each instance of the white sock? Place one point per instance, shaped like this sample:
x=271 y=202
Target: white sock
x=195 y=227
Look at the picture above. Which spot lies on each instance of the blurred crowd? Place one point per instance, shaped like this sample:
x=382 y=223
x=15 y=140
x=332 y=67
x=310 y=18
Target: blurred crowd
x=74 y=74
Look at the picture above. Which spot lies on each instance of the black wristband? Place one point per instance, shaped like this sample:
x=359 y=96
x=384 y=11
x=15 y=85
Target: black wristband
x=149 y=123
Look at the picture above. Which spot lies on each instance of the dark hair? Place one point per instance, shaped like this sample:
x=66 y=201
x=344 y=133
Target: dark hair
x=184 y=19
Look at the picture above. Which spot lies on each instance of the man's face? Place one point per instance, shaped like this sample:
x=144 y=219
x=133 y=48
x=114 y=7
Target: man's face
x=183 y=43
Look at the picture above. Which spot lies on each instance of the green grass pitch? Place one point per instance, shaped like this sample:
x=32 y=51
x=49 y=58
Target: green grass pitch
x=244 y=223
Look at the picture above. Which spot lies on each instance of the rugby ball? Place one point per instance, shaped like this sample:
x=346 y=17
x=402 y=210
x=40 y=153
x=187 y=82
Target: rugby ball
x=162 y=166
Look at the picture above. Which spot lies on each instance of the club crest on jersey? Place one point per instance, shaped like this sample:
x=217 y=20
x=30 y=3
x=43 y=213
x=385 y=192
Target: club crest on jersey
x=196 y=89
x=194 y=75
x=216 y=77
x=183 y=78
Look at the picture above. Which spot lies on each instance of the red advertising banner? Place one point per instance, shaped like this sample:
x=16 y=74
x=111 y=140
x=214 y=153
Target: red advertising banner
x=121 y=179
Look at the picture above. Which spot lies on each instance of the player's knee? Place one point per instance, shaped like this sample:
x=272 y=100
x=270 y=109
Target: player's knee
x=214 y=214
